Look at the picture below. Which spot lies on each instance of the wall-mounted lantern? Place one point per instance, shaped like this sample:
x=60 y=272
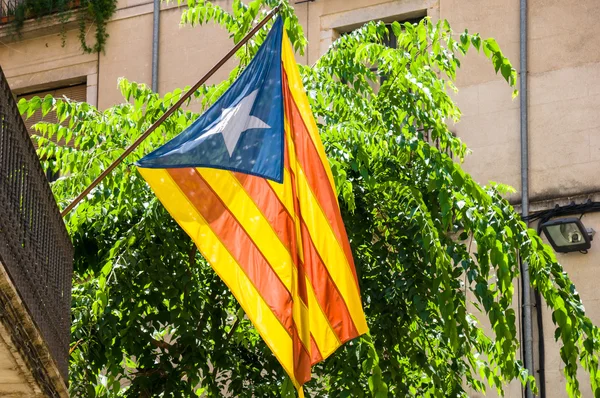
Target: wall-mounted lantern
x=568 y=235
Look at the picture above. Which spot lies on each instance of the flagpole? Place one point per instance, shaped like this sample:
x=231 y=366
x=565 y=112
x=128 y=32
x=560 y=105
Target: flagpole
x=170 y=111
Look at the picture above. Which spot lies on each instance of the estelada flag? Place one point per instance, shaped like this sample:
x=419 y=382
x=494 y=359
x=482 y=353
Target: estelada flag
x=250 y=183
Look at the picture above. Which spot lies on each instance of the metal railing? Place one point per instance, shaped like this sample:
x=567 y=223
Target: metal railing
x=10 y=8
x=35 y=249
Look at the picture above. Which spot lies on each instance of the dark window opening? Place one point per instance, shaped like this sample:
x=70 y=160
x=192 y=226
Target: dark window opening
x=52 y=176
x=75 y=92
x=391 y=40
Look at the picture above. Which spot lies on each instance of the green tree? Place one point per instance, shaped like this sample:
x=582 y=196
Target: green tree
x=150 y=317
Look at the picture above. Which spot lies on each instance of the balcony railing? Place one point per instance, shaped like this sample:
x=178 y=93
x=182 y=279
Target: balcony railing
x=28 y=9
x=35 y=249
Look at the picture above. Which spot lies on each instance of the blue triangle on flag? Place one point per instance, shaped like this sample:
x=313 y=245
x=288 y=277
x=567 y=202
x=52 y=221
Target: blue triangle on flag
x=244 y=130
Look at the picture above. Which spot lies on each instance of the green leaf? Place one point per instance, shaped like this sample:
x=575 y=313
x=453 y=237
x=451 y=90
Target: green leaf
x=506 y=70
x=476 y=42
x=23 y=105
x=47 y=104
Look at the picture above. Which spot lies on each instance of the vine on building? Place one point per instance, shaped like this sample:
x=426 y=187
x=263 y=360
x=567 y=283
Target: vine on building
x=89 y=15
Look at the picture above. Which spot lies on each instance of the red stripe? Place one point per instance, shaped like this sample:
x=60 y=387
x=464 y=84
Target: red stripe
x=301 y=359
x=326 y=292
x=309 y=159
x=237 y=242
x=314 y=350
x=243 y=249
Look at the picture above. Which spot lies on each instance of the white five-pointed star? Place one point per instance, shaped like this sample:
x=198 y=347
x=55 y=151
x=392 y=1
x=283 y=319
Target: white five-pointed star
x=234 y=121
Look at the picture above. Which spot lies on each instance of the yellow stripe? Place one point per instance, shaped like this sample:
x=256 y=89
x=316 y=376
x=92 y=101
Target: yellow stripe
x=330 y=251
x=299 y=96
x=324 y=335
x=245 y=211
x=291 y=150
x=284 y=192
x=301 y=315
x=266 y=323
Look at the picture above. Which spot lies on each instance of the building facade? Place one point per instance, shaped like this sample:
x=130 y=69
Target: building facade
x=563 y=95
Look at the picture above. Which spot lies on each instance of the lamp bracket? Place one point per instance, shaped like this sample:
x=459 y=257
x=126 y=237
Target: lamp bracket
x=590 y=233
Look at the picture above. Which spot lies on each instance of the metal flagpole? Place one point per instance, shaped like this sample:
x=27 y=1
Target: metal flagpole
x=169 y=112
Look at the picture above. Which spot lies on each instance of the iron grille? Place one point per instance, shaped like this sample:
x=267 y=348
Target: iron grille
x=35 y=248
x=10 y=8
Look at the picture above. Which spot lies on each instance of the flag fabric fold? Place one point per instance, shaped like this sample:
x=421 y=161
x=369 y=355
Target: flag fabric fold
x=250 y=183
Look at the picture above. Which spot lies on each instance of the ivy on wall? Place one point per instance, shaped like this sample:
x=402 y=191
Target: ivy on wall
x=87 y=13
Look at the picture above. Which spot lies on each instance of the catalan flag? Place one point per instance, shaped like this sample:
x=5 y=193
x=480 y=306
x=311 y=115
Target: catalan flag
x=250 y=183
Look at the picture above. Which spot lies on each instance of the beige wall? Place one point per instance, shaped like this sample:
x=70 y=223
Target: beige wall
x=565 y=97
x=27 y=368
x=38 y=62
x=490 y=122
x=564 y=133
x=186 y=53
x=564 y=90
x=15 y=379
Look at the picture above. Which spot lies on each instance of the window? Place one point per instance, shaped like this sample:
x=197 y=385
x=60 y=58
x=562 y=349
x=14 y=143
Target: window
x=391 y=40
x=76 y=92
